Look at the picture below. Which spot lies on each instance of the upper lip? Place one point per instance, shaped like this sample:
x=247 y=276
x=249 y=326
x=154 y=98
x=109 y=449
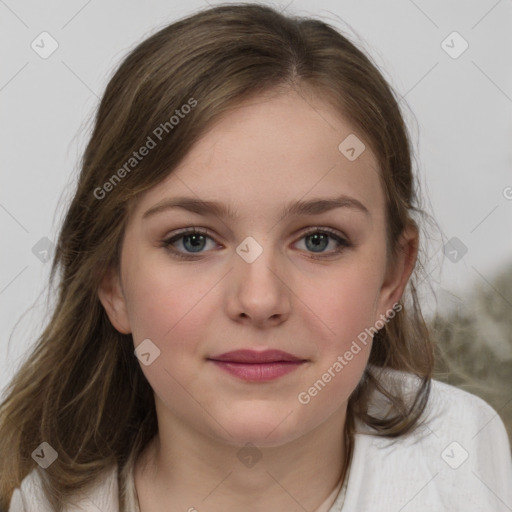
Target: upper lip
x=252 y=356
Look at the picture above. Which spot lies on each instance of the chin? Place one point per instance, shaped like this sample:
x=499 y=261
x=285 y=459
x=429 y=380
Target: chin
x=260 y=426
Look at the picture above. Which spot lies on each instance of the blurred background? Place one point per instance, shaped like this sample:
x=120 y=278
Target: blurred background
x=450 y=63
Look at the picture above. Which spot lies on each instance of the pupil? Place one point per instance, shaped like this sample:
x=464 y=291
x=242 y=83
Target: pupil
x=196 y=243
x=319 y=241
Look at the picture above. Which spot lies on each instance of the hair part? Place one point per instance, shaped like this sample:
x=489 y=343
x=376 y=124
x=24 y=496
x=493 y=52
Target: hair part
x=81 y=389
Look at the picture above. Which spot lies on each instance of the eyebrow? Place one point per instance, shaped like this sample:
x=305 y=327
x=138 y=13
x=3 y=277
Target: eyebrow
x=311 y=207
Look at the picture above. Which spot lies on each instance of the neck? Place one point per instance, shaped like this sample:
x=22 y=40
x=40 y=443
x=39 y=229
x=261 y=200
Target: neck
x=186 y=470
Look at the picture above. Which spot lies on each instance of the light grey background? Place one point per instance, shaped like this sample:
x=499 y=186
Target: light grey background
x=460 y=120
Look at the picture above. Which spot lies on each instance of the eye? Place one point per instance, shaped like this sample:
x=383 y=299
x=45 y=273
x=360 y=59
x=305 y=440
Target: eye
x=194 y=240
x=191 y=239
x=317 y=240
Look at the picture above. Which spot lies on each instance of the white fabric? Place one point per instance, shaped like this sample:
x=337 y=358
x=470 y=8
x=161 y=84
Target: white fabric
x=458 y=460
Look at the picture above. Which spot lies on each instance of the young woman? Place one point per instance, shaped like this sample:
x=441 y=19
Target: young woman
x=237 y=325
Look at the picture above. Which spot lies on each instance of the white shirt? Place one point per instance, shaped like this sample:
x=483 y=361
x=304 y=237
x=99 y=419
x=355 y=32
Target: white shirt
x=458 y=460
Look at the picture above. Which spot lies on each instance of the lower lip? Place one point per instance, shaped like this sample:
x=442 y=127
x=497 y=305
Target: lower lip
x=258 y=372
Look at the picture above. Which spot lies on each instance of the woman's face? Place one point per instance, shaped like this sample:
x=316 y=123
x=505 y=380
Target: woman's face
x=292 y=258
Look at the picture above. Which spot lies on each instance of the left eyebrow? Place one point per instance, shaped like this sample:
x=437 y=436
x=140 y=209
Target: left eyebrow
x=311 y=207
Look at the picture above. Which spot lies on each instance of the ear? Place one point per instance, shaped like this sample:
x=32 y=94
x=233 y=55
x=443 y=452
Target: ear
x=399 y=270
x=111 y=295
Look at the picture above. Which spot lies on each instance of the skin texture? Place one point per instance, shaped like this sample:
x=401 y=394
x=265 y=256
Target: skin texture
x=271 y=151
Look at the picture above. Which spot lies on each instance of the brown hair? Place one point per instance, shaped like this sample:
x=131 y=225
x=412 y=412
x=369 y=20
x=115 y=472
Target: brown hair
x=81 y=389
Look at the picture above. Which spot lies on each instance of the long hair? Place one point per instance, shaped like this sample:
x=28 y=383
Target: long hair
x=81 y=389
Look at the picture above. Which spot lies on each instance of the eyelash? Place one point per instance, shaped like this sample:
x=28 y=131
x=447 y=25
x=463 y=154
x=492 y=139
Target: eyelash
x=167 y=243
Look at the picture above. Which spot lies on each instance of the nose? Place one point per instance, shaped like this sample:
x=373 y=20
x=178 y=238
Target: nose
x=258 y=292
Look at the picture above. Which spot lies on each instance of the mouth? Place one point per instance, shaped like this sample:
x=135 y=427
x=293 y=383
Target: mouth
x=250 y=365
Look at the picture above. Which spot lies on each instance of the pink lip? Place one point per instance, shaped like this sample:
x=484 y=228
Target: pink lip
x=257 y=366
x=252 y=356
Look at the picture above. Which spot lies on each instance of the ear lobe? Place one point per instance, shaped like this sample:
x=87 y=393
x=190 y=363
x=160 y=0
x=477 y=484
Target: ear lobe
x=399 y=271
x=112 y=298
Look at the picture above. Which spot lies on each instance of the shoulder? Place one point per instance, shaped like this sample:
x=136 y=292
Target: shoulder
x=457 y=458
x=468 y=424
x=450 y=412
x=102 y=494
x=453 y=411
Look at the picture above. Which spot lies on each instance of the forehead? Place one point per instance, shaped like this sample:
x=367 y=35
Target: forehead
x=275 y=149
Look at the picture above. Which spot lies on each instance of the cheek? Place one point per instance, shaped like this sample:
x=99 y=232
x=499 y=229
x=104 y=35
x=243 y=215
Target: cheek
x=161 y=302
x=344 y=310
x=168 y=308
x=347 y=303
x=343 y=353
